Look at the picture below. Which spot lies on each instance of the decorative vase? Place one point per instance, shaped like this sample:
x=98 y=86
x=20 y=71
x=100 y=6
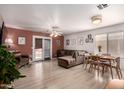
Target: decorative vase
x=100 y=48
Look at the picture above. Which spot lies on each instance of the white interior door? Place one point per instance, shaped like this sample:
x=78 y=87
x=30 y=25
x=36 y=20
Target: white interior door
x=37 y=48
x=42 y=48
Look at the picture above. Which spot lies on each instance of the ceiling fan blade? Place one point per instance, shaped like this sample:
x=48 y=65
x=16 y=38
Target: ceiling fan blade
x=60 y=32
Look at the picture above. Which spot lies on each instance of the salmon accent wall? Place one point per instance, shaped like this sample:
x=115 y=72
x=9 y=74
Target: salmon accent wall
x=27 y=48
x=55 y=46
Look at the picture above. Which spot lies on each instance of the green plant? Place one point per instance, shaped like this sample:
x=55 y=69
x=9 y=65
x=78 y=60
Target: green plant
x=8 y=70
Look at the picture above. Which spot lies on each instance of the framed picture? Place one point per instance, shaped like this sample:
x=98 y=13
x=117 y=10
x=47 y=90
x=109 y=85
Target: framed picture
x=67 y=42
x=73 y=41
x=58 y=42
x=21 y=40
x=89 y=38
x=81 y=41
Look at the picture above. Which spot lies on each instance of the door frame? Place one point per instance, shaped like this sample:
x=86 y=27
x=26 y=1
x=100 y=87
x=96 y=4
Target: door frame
x=43 y=38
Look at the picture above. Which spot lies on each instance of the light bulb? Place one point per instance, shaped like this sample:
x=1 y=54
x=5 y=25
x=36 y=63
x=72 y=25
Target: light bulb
x=51 y=35
x=55 y=35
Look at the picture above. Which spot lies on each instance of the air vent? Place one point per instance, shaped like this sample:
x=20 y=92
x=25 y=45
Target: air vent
x=102 y=6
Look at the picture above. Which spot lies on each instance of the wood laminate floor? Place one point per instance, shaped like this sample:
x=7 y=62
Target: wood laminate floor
x=47 y=74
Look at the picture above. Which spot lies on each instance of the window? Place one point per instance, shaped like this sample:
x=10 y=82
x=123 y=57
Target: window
x=111 y=43
x=116 y=44
x=101 y=40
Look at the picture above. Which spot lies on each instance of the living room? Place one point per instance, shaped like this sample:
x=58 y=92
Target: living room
x=56 y=46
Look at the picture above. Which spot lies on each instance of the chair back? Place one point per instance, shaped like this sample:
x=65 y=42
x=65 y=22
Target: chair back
x=87 y=58
x=95 y=58
x=117 y=60
x=106 y=54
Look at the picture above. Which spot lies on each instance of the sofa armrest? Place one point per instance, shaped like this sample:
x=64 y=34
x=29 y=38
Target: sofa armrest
x=80 y=59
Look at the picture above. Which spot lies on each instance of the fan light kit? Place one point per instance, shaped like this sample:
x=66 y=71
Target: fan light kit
x=55 y=32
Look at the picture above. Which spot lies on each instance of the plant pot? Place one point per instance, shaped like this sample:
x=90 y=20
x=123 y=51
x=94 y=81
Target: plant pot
x=2 y=86
x=5 y=86
x=9 y=86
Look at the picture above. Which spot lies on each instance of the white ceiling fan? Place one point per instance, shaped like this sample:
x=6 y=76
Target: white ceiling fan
x=55 y=31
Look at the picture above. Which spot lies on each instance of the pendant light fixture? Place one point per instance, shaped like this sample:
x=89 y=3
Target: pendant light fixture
x=97 y=19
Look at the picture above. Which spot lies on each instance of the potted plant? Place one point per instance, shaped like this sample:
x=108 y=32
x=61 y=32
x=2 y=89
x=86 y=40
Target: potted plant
x=8 y=70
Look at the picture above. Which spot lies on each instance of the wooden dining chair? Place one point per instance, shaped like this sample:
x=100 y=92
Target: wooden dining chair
x=105 y=54
x=117 y=67
x=86 y=61
x=94 y=63
x=103 y=62
x=115 y=64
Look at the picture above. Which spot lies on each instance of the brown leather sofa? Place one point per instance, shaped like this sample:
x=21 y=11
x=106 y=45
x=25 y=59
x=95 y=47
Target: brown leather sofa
x=70 y=58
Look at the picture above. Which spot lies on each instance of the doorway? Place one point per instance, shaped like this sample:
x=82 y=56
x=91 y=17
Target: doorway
x=47 y=49
x=42 y=48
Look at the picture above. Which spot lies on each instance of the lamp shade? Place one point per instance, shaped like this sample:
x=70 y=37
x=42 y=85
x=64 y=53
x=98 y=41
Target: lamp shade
x=8 y=41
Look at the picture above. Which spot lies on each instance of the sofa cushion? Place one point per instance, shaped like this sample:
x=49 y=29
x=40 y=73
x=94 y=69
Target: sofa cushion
x=69 y=52
x=68 y=58
x=62 y=53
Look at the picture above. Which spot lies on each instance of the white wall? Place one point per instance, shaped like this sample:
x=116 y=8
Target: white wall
x=90 y=46
x=85 y=46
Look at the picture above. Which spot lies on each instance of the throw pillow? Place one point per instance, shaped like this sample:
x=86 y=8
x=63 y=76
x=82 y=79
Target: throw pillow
x=73 y=55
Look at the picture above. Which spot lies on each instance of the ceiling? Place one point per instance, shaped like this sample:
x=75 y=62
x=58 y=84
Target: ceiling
x=70 y=18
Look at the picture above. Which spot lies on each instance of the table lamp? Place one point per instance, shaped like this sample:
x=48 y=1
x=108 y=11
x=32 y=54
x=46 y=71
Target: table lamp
x=8 y=42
